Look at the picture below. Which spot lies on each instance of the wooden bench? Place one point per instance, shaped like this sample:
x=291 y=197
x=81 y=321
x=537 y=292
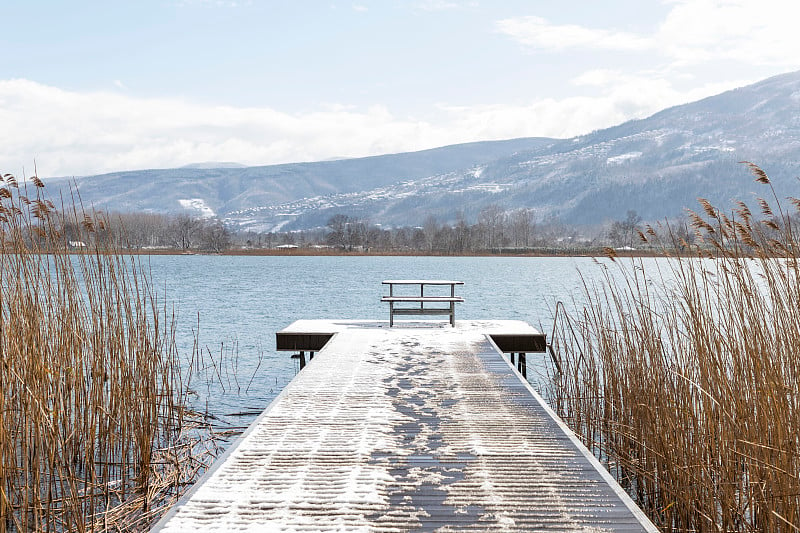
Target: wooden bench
x=422 y=299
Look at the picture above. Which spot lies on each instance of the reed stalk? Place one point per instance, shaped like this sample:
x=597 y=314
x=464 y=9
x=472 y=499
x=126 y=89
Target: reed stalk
x=684 y=376
x=94 y=430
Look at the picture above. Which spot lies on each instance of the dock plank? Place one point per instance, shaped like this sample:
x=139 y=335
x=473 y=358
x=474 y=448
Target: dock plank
x=407 y=429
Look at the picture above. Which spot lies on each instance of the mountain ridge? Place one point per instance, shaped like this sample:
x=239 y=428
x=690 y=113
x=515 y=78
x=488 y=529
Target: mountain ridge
x=658 y=166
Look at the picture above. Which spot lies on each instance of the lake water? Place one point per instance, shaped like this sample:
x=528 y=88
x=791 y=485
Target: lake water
x=242 y=302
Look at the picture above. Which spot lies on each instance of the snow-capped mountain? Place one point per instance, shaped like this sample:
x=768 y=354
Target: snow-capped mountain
x=657 y=166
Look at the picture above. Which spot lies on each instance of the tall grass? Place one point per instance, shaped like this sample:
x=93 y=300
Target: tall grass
x=684 y=374
x=94 y=435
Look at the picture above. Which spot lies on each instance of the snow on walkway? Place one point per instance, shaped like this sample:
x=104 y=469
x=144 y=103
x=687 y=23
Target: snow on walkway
x=407 y=429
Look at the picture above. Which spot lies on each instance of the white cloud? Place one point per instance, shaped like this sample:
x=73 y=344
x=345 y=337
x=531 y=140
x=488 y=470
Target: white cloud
x=537 y=32
x=620 y=100
x=756 y=32
x=745 y=40
x=598 y=77
x=71 y=133
x=751 y=31
x=650 y=91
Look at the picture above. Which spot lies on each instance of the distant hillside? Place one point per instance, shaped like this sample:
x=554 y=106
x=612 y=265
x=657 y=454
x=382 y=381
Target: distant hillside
x=230 y=190
x=657 y=166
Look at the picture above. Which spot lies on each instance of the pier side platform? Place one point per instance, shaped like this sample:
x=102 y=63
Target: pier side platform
x=418 y=427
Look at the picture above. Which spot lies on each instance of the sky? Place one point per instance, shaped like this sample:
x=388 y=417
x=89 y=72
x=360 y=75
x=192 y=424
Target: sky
x=88 y=87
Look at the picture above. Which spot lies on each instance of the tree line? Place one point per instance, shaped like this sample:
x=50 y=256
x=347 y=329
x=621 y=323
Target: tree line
x=496 y=230
x=149 y=231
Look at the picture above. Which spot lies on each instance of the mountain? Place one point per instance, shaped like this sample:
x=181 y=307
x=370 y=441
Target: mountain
x=232 y=193
x=657 y=166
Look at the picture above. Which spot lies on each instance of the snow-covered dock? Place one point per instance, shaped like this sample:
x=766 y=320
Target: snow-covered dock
x=417 y=427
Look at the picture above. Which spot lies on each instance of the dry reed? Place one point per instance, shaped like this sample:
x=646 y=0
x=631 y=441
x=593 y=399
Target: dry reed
x=94 y=433
x=684 y=375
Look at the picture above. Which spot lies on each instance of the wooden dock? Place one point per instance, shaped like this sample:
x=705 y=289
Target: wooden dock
x=419 y=427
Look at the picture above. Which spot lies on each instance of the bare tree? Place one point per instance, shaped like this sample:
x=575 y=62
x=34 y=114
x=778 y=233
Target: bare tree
x=461 y=235
x=184 y=230
x=337 y=226
x=625 y=232
x=523 y=222
x=491 y=221
x=215 y=236
x=430 y=228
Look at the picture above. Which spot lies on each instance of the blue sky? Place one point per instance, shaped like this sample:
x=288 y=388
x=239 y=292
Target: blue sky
x=89 y=87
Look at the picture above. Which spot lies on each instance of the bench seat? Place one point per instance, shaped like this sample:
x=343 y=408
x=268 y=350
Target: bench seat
x=423 y=309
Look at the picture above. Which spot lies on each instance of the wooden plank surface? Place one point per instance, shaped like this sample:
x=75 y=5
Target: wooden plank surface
x=405 y=429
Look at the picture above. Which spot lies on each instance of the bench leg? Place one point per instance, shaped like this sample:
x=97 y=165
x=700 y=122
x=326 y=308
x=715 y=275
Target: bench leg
x=453 y=314
x=391 y=314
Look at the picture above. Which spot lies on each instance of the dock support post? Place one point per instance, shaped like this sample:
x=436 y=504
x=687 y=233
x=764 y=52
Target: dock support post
x=522 y=365
x=452 y=306
x=302 y=360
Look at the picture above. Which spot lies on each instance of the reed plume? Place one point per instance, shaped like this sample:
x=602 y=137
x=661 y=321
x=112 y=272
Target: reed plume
x=683 y=374
x=94 y=430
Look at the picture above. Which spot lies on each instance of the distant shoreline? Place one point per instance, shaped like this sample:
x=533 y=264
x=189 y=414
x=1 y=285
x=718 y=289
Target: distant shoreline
x=305 y=252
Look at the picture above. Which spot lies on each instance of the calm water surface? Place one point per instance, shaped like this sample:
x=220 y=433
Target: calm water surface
x=240 y=302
